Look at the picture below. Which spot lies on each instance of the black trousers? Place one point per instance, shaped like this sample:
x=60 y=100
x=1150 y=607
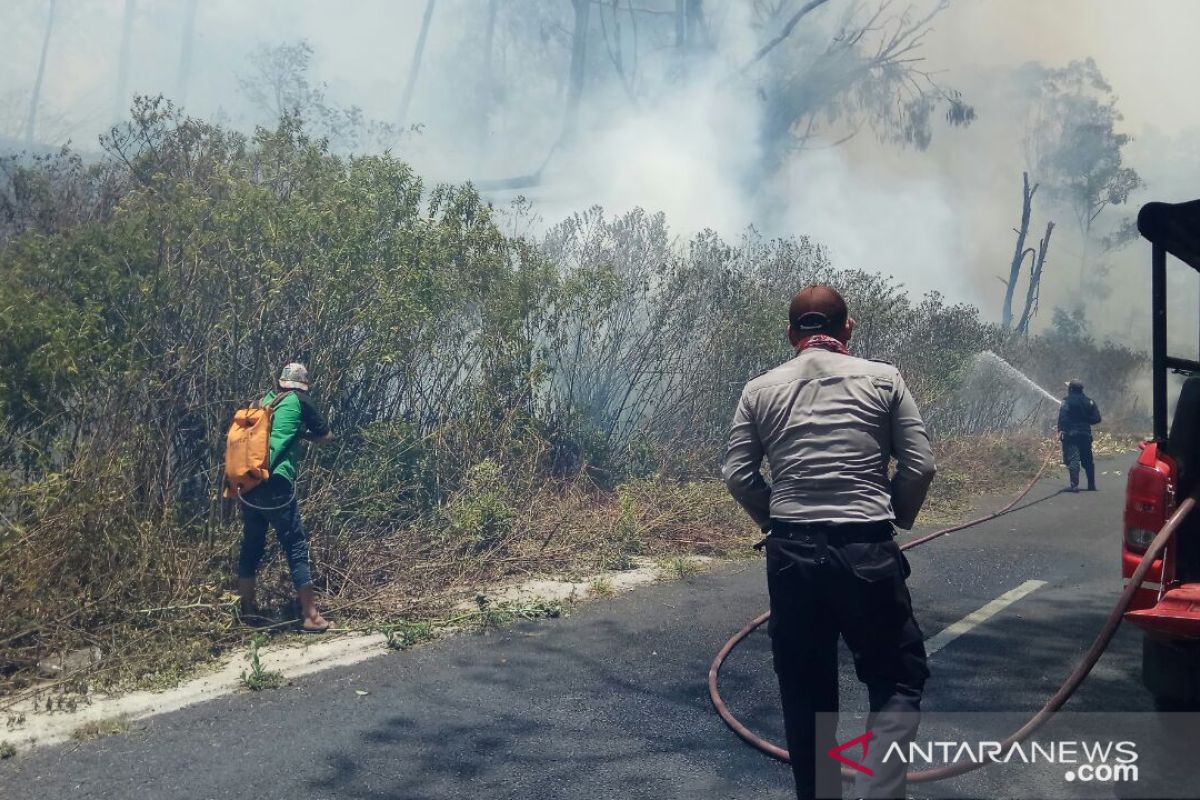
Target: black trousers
x=1077 y=452
x=847 y=580
x=273 y=503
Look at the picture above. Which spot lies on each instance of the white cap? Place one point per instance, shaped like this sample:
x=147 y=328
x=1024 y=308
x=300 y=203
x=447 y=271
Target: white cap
x=294 y=376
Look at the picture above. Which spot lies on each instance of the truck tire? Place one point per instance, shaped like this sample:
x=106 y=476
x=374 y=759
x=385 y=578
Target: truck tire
x=1171 y=671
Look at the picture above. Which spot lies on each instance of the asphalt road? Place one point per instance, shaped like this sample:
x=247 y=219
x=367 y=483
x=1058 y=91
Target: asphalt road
x=610 y=702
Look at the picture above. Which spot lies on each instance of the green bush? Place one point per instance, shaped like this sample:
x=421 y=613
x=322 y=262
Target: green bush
x=482 y=514
x=146 y=296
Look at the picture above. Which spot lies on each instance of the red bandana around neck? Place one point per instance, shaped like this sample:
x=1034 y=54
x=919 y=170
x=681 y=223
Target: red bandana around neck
x=822 y=342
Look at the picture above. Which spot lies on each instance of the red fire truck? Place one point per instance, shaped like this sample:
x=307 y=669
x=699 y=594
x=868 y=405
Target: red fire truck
x=1167 y=605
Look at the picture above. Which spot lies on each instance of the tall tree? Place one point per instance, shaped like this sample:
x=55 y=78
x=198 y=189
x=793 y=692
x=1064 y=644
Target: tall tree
x=36 y=98
x=1076 y=150
x=690 y=31
x=615 y=45
x=696 y=30
x=185 y=50
x=870 y=74
x=487 y=81
x=121 y=96
x=280 y=87
x=578 y=69
x=410 y=84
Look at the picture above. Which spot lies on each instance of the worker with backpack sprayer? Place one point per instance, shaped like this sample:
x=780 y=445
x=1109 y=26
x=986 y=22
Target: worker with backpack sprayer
x=260 y=470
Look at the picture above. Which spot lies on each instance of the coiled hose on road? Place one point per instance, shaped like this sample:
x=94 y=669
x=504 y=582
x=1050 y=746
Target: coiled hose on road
x=1056 y=701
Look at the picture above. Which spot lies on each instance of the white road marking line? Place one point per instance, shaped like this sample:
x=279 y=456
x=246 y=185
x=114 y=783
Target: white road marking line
x=979 y=616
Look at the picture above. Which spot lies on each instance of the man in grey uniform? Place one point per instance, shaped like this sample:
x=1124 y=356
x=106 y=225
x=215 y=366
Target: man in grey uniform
x=829 y=424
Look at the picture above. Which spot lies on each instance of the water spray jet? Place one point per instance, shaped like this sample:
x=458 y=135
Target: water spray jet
x=988 y=357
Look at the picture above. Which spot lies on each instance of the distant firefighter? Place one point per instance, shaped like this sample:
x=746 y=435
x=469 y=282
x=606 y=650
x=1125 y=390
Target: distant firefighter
x=1076 y=416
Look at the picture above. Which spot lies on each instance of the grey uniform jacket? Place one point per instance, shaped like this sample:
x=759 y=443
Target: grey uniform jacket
x=828 y=425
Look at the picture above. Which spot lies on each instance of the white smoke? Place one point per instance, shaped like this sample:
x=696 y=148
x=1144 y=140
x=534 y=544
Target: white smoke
x=937 y=219
x=682 y=157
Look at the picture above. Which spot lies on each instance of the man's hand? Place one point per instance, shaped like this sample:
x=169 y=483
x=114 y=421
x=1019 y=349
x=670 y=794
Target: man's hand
x=324 y=439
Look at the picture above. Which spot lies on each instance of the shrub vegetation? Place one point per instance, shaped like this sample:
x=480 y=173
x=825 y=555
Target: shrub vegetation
x=504 y=404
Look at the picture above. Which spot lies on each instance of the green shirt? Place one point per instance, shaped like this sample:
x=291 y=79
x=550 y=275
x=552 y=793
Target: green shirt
x=293 y=417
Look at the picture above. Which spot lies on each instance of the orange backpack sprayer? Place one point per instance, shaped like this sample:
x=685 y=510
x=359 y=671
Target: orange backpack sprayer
x=248 y=447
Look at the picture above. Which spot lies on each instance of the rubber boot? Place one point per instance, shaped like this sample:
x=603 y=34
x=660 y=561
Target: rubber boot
x=248 y=610
x=1091 y=478
x=311 y=620
x=247 y=592
x=1074 y=473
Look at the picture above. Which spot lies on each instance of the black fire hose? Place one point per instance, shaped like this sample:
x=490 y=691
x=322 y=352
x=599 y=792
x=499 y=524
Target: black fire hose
x=1052 y=705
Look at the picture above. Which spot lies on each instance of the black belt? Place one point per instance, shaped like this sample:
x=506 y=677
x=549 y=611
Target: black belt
x=835 y=532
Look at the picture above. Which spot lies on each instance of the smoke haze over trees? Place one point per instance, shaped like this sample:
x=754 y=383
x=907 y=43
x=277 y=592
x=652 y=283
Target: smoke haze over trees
x=542 y=362
x=888 y=131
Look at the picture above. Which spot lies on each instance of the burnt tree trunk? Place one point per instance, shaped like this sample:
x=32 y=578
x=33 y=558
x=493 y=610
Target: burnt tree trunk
x=410 y=85
x=36 y=99
x=1014 y=269
x=1033 y=293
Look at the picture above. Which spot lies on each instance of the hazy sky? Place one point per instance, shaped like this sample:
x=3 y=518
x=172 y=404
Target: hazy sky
x=940 y=219
x=1147 y=48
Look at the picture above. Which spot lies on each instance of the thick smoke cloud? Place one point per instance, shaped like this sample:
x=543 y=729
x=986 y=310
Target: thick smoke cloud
x=941 y=218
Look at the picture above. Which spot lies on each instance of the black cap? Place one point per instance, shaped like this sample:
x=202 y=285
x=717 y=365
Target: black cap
x=817 y=309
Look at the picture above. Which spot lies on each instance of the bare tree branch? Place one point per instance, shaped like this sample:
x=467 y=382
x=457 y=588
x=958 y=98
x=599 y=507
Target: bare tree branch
x=783 y=34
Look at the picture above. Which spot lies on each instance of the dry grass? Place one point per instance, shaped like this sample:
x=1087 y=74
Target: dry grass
x=98 y=728
x=969 y=468
x=163 y=605
x=490 y=533
x=1105 y=444
x=572 y=529
x=600 y=587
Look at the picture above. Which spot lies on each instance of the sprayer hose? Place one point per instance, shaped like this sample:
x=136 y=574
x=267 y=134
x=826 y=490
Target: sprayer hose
x=1052 y=705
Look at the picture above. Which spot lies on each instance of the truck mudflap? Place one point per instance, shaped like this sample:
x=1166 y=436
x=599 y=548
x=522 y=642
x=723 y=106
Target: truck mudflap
x=1176 y=615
